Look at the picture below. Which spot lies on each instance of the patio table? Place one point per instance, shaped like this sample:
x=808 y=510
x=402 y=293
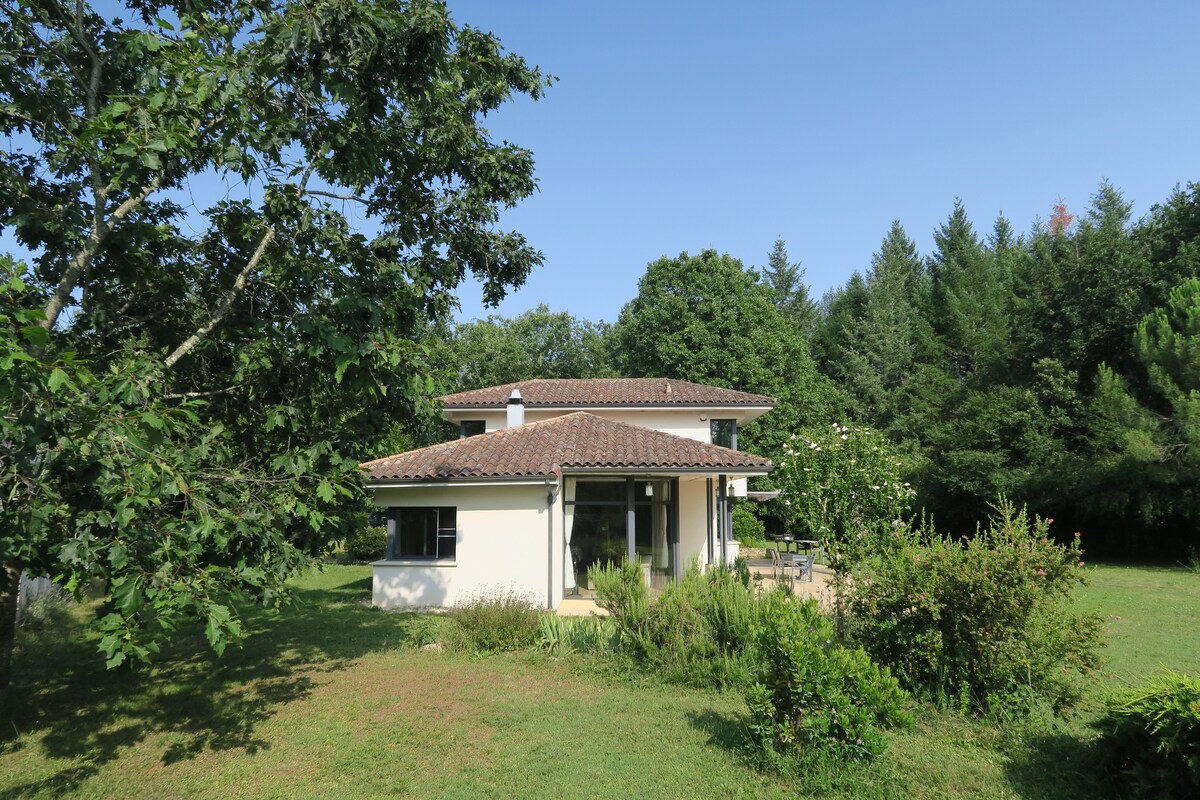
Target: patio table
x=789 y=544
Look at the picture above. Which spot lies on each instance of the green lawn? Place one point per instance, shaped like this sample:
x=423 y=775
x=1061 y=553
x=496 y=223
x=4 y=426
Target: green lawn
x=330 y=698
x=1153 y=620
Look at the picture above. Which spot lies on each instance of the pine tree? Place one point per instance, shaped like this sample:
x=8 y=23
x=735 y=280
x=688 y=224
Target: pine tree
x=786 y=280
x=971 y=300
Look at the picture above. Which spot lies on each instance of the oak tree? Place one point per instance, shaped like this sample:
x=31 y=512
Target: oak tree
x=238 y=217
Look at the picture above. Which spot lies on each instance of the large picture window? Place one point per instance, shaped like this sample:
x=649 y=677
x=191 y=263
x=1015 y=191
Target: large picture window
x=425 y=532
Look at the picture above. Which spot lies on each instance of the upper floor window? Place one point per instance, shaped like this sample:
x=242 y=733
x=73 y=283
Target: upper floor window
x=724 y=432
x=471 y=427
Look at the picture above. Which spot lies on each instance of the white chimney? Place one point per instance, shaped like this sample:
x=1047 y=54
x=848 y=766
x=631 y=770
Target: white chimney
x=516 y=409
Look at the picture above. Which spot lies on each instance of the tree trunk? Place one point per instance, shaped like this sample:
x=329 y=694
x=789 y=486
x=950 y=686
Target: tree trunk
x=10 y=583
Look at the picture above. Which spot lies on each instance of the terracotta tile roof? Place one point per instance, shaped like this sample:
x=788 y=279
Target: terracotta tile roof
x=578 y=441
x=599 y=392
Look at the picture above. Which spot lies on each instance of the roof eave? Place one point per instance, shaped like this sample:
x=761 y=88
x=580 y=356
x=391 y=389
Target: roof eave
x=738 y=471
x=763 y=407
x=539 y=480
x=405 y=483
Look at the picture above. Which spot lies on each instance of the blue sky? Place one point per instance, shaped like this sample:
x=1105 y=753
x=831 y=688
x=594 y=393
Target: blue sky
x=684 y=126
x=689 y=125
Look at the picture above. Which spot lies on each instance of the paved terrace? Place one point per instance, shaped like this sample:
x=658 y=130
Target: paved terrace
x=819 y=588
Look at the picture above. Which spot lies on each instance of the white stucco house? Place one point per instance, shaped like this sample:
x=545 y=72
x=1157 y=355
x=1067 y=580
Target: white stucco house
x=552 y=476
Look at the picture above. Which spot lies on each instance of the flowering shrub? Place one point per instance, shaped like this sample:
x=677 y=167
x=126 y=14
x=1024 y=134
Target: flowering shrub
x=1152 y=736
x=986 y=621
x=844 y=484
x=811 y=693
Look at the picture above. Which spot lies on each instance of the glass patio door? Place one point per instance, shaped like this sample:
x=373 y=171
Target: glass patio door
x=606 y=519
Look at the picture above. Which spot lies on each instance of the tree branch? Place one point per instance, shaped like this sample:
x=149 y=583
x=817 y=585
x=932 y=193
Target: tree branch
x=66 y=62
x=74 y=26
x=235 y=291
x=354 y=197
x=192 y=395
x=82 y=261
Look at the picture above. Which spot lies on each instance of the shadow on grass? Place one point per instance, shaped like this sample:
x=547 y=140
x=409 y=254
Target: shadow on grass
x=726 y=731
x=89 y=715
x=1059 y=765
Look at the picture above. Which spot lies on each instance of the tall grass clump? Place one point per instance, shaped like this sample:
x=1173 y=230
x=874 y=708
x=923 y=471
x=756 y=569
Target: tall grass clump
x=1151 y=737
x=983 y=623
x=697 y=632
x=48 y=608
x=499 y=622
x=812 y=696
x=594 y=635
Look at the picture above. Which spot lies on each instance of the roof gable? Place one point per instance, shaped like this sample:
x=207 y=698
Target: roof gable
x=573 y=442
x=606 y=392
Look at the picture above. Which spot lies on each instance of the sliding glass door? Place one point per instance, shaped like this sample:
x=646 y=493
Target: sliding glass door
x=607 y=520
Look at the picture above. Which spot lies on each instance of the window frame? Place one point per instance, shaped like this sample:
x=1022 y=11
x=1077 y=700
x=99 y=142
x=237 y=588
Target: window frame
x=733 y=432
x=462 y=427
x=444 y=532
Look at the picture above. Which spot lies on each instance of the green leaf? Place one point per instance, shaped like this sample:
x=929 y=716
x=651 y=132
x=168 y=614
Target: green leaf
x=127 y=595
x=58 y=380
x=36 y=335
x=214 y=630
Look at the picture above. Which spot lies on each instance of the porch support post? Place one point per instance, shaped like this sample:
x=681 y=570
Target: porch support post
x=673 y=518
x=390 y=552
x=554 y=589
x=723 y=516
x=631 y=520
x=708 y=503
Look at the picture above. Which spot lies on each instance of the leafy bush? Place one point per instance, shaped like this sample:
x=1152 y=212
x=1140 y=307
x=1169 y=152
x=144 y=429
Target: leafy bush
x=748 y=528
x=741 y=570
x=423 y=629
x=696 y=632
x=622 y=592
x=1192 y=562
x=1152 y=736
x=494 y=623
x=599 y=635
x=813 y=694
x=984 y=623
x=368 y=544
